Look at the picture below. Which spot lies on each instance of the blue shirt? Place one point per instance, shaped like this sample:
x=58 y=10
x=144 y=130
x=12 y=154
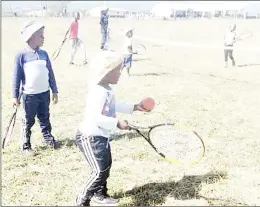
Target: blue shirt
x=33 y=69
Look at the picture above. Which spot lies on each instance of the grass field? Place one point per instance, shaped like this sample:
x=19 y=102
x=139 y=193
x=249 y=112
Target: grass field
x=191 y=88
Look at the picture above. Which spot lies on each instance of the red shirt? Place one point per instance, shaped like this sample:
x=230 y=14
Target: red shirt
x=74 y=28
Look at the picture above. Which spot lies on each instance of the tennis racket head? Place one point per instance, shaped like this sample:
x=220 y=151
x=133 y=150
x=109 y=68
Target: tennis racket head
x=9 y=130
x=55 y=54
x=141 y=49
x=177 y=146
x=244 y=36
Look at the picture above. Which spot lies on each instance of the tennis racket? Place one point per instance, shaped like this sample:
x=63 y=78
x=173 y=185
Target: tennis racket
x=57 y=52
x=176 y=146
x=10 y=127
x=244 y=36
x=140 y=49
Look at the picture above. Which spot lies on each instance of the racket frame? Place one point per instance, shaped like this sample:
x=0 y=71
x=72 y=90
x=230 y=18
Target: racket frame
x=244 y=33
x=147 y=138
x=12 y=120
x=57 y=52
x=140 y=45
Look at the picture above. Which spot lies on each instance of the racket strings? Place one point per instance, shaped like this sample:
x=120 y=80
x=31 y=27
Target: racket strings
x=177 y=145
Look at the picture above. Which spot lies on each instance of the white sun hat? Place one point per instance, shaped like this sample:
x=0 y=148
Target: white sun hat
x=29 y=29
x=102 y=64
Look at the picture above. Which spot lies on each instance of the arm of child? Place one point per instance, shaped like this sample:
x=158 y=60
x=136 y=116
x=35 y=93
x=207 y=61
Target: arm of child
x=122 y=107
x=52 y=80
x=17 y=75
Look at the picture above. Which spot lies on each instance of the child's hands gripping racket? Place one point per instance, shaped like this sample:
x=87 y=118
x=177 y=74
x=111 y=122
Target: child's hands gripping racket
x=176 y=146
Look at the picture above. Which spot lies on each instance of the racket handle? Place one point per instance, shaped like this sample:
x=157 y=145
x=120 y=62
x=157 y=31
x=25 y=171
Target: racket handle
x=19 y=98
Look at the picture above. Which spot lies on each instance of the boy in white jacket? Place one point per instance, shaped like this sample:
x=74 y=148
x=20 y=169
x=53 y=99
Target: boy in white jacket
x=99 y=122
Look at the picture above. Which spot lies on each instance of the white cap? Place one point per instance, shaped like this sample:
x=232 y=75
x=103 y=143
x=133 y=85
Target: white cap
x=102 y=64
x=29 y=29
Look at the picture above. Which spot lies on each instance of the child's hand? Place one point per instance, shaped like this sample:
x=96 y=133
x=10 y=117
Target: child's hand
x=16 y=102
x=123 y=125
x=55 y=98
x=138 y=107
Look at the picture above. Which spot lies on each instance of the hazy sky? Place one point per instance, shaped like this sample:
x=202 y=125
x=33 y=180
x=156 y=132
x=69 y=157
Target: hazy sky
x=75 y=5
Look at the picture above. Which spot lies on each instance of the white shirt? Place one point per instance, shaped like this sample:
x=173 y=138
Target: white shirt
x=126 y=45
x=229 y=38
x=100 y=114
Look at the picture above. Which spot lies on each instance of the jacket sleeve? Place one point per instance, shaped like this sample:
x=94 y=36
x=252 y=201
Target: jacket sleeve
x=52 y=81
x=17 y=75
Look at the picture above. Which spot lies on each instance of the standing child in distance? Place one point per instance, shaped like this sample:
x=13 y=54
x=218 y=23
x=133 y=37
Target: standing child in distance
x=128 y=50
x=99 y=122
x=104 y=27
x=34 y=70
x=75 y=41
x=229 y=40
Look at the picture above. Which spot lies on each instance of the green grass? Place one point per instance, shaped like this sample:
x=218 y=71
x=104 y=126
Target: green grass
x=191 y=88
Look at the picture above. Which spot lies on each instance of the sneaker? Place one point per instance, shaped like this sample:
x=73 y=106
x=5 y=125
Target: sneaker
x=28 y=152
x=85 y=62
x=71 y=63
x=105 y=200
x=53 y=144
x=86 y=203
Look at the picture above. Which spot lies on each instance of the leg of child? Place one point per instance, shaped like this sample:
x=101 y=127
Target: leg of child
x=231 y=57
x=128 y=63
x=104 y=37
x=97 y=152
x=83 y=50
x=74 y=48
x=226 y=57
x=30 y=105
x=43 y=116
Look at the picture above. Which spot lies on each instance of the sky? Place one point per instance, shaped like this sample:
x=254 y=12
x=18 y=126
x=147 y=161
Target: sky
x=75 y=5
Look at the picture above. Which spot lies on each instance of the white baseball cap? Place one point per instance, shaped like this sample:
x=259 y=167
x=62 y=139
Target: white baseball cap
x=29 y=29
x=102 y=64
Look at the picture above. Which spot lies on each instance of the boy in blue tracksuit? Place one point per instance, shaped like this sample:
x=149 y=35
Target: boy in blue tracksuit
x=33 y=70
x=104 y=27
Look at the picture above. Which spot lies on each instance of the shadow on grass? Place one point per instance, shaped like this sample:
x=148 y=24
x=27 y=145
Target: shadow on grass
x=247 y=65
x=187 y=188
x=140 y=59
x=127 y=135
x=150 y=74
x=67 y=142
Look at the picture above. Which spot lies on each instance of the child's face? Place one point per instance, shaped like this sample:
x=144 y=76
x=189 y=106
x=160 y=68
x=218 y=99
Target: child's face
x=77 y=15
x=113 y=76
x=37 y=38
x=130 y=34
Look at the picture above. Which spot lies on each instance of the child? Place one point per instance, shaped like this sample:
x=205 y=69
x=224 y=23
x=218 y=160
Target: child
x=229 y=40
x=33 y=68
x=100 y=121
x=128 y=50
x=75 y=41
x=104 y=27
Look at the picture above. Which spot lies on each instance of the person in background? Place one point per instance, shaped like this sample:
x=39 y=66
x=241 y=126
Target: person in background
x=32 y=68
x=229 y=40
x=128 y=50
x=76 y=42
x=104 y=27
